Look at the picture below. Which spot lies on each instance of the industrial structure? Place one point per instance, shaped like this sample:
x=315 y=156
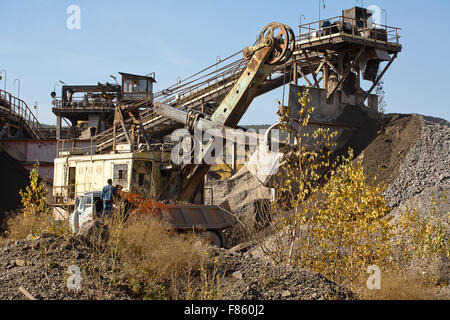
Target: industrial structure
x=120 y=131
x=332 y=56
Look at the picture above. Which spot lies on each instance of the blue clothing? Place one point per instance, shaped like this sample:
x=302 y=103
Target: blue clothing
x=109 y=192
x=107 y=207
x=326 y=24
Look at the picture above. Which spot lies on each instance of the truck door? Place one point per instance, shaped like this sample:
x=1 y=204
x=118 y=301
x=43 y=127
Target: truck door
x=86 y=209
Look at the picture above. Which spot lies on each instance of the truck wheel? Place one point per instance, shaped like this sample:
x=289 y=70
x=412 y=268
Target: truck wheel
x=214 y=238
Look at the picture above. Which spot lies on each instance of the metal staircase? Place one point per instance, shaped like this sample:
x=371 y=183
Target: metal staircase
x=17 y=120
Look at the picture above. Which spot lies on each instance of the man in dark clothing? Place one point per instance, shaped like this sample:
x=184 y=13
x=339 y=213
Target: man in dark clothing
x=108 y=194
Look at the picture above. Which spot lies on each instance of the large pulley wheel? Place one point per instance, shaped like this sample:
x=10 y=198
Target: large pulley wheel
x=284 y=39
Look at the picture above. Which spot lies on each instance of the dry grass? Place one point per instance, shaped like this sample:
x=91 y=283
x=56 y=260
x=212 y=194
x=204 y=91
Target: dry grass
x=157 y=259
x=400 y=287
x=21 y=226
x=153 y=261
x=3 y=241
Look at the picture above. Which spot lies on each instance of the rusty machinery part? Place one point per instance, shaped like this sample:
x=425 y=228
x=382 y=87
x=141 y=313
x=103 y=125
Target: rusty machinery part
x=248 y=52
x=291 y=44
x=284 y=42
x=191 y=118
x=183 y=216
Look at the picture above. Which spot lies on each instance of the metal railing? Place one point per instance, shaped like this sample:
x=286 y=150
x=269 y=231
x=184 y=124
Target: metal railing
x=18 y=108
x=348 y=26
x=81 y=103
x=69 y=146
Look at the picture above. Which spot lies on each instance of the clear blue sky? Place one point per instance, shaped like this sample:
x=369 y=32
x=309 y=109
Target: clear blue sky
x=179 y=38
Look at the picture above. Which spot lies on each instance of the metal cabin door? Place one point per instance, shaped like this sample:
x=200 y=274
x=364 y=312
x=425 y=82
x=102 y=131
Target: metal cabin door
x=72 y=181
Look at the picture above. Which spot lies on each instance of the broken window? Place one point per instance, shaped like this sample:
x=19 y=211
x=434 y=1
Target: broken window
x=141 y=177
x=121 y=174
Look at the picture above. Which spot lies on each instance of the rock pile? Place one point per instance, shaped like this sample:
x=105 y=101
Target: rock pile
x=42 y=267
x=427 y=165
x=250 y=278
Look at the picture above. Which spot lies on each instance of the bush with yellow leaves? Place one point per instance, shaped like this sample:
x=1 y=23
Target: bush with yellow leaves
x=423 y=240
x=336 y=224
x=345 y=229
x=35 y=216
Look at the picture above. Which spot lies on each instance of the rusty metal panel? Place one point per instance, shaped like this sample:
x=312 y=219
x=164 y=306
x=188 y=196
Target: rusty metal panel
x=196 y=217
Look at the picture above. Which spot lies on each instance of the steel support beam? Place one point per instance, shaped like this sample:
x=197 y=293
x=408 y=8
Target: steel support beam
x=353 y=64
x=311 y=68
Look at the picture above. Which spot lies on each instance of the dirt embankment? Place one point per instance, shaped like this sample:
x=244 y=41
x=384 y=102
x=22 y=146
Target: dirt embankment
x=385 y=154
x=251 y=278
x=42 y=267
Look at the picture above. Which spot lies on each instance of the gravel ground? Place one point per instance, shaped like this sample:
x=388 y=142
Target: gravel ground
x=427 y=165
x=41 y=267
x=248 y=278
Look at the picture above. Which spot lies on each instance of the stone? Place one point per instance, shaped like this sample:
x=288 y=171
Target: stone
x=20 y=262
x=237 y=275
x=286 y=294
x=93 y=231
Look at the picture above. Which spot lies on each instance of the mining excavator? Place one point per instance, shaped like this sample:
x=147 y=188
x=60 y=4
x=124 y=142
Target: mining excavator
x=273 y=47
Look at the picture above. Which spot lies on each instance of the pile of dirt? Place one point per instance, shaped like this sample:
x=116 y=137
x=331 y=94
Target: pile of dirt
x=249 y=278
x=385 y=154
x=426 y=165
x=42 y=267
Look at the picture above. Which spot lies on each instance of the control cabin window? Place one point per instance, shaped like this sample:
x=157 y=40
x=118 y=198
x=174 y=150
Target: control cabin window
x=135 y=86
x=121 y=174
x=86 y=202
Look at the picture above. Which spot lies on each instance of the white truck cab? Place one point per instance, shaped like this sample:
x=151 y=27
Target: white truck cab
x=87 y=207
